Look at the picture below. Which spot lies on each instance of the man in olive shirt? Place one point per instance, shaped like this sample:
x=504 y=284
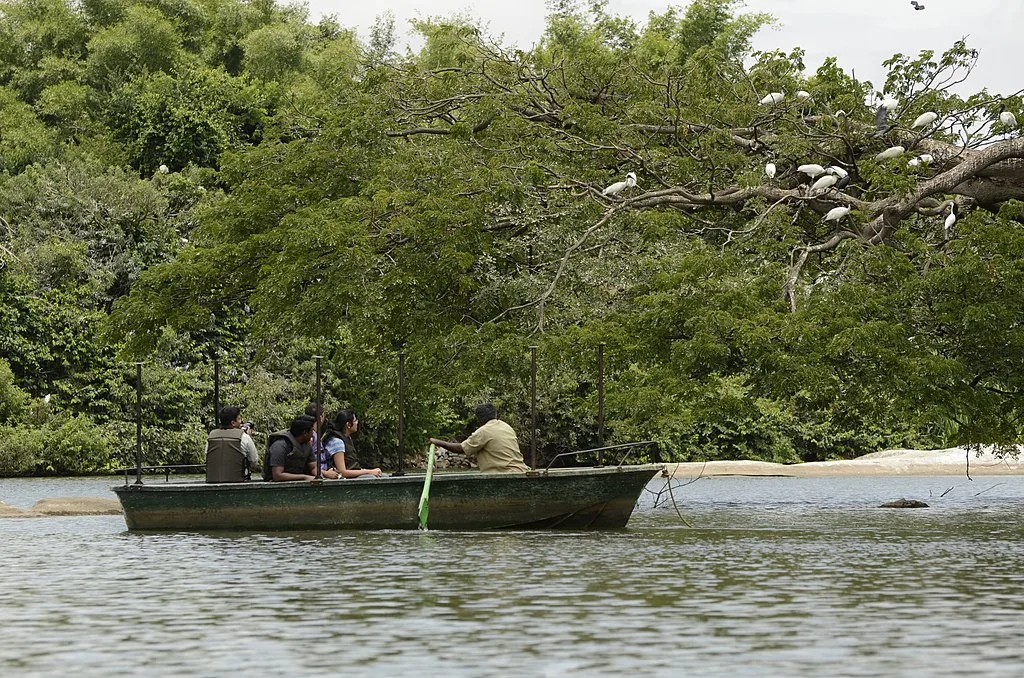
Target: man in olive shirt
x=493 y=444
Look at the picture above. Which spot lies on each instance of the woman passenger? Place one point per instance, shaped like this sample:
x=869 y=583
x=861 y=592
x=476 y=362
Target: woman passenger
x=340 y=459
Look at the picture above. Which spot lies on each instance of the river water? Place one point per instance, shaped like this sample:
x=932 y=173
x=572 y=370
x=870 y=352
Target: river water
x=776 y=577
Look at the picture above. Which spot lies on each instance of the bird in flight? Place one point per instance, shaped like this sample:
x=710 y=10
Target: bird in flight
x=917 y=5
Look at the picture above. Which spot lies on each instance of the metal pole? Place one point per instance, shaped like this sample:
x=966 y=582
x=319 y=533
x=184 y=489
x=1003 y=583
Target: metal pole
x=401 y=414
x=600 y=401
x=533 y=407
x=138 y=423
x=216 y=392
x=319 y=418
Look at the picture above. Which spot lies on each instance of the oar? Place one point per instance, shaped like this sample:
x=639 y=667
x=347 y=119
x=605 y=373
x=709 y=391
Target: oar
x=425 y=497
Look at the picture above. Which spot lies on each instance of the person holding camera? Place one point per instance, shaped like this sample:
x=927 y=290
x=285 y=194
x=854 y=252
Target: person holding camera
x=230 y=452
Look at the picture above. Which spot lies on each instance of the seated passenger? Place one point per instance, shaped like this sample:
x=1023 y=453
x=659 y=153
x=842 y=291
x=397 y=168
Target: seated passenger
x=289 y=454
x=339 y=457
x=230 y=453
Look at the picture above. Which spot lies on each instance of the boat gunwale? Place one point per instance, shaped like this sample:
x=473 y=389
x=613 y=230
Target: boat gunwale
x=199 y=486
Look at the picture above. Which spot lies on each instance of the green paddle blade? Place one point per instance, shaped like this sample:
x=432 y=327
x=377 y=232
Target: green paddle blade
x=425 y=497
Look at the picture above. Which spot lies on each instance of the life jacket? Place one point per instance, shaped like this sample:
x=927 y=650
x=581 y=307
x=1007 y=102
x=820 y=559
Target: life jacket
x=225 y=459
x=294 y=449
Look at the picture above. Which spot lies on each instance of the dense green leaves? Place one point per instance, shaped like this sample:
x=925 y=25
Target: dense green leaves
x=186 y=181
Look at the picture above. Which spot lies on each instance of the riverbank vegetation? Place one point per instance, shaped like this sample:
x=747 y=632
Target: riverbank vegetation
x=185 y=180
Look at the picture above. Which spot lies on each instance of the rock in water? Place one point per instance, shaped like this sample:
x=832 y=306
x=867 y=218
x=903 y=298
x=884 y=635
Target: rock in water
x=904 y=503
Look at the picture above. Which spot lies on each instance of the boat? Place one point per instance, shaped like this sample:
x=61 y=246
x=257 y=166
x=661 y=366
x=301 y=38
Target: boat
x=592 y=498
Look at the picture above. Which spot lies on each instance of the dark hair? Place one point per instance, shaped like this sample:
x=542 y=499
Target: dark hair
x=314 y=410
x=485 y=412
x=228 y=414
x=337 y=425
x=301 y=425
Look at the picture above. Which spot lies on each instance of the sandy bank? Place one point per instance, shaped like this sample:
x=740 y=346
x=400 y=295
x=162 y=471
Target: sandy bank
x=951 y=462
x=63 y=506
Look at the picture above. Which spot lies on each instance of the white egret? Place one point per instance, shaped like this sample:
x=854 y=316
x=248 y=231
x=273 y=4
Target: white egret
x=803 y=94
x=838 y=171
x=772 y=99
x=840 y=113
x=890 y=153
x=913 y=162
x=926 y=158
x=811 y=170
x=890 y=103
x=769 y=170
x=46 y=398
x=164 y=169
x=924 y=119
x=950 y=220
x=1008 y=119
x=836 y=213
x=824 y=182
x=620 y=186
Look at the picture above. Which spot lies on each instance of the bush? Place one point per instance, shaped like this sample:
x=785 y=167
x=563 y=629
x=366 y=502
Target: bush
x=19 y=449
x=12 y=398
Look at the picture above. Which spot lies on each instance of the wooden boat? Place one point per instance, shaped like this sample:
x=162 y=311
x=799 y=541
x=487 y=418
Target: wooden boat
x=596 y=498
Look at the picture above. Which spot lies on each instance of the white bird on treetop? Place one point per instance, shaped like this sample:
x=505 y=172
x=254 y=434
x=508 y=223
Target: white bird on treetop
x=890 y=103
x=824 y=182
x=803 y=94
x=620 y=186
x=769 y=170
x=1008 y=119
x=836 y=213
x=46 y=398
x=772 y=99
x=890 y=153
x=924 y=119
x=838 y=171
x=811 y=170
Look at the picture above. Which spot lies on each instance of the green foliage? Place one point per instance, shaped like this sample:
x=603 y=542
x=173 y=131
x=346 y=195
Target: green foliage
x=12 y=399
x=185 y=180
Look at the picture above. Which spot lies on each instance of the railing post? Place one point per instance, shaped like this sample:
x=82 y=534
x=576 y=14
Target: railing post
x=216 y=392
x=600 y=402
x=319 y=417
x=401 y=414
x=138 y=423
x=533 y=407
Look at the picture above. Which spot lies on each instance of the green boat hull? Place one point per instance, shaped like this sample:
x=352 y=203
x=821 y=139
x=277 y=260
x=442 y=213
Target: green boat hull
x=573 y=499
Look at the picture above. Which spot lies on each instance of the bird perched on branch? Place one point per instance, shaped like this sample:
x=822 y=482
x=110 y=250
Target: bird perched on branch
x=1006 y=117
x=889 y=153
x=836 y=213
x=947 y=226
x=620 y=186
x=772 y=99
x=924 y=119
x=812 y=170
x=769 y=170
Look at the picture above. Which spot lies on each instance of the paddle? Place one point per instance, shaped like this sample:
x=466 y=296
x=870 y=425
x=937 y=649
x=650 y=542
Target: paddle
x=425 y=497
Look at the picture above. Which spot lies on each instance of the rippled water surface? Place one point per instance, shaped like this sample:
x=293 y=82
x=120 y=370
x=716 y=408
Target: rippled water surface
x=777 y=576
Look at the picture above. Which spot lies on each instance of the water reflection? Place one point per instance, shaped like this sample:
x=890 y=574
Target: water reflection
x=798 y=577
